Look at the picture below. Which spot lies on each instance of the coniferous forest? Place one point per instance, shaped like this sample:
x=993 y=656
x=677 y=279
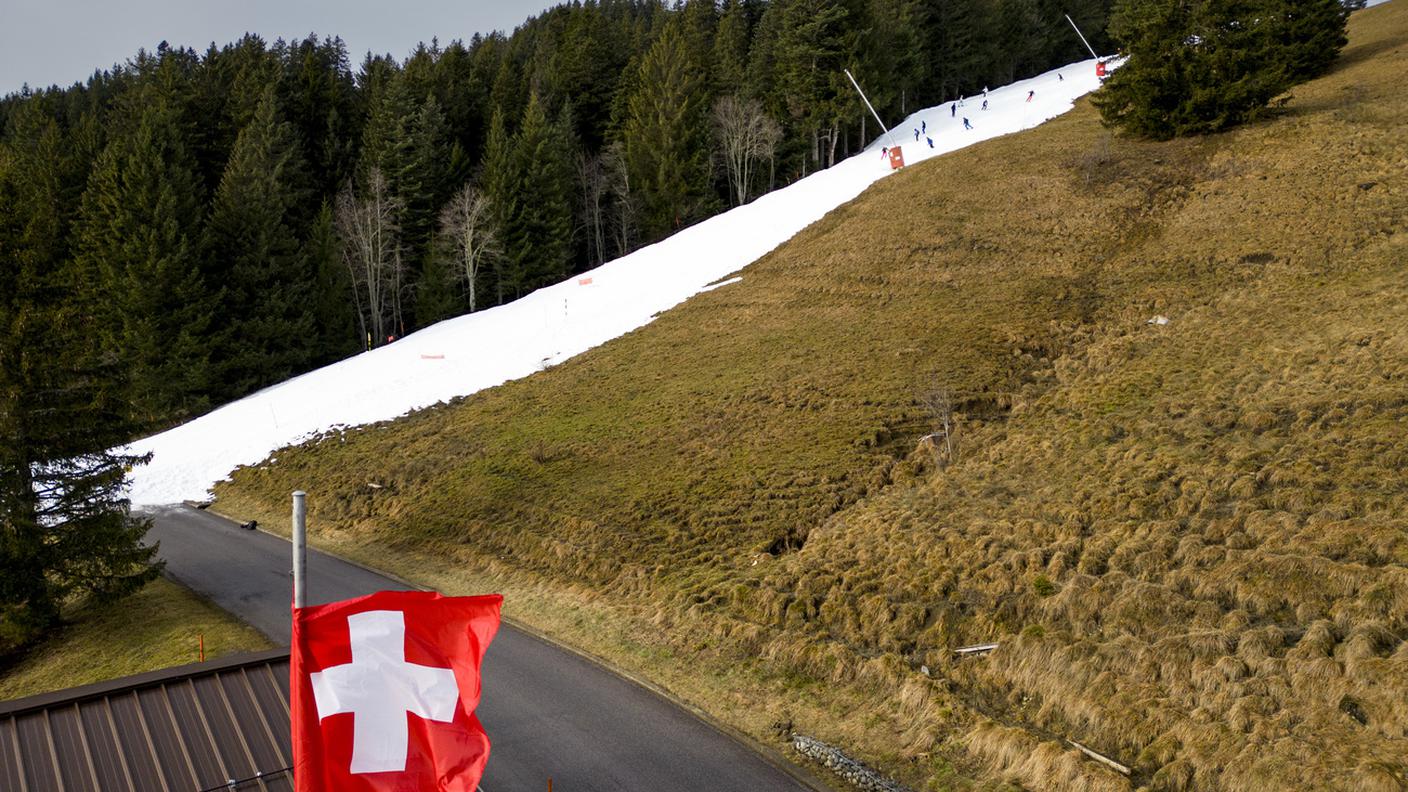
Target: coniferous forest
x=236 y=216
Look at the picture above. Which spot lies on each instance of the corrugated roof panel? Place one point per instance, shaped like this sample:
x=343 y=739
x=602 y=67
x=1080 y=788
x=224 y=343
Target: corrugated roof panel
x=108 y=761
x=134 y=742
x=258 y=738
x=37 y=758
x=69 y=744
x=196 y=734
x=10 y=777
x=175 y=765
x=179 y=730
x=231 y=746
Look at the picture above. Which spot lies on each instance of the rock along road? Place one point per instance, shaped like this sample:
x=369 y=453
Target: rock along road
x=549 y=712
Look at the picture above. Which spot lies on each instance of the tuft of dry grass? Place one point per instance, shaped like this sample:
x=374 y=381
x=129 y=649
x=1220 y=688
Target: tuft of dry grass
x=1189 y=539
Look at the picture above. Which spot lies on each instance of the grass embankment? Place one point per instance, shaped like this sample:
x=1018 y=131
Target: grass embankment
x=157 y=627
x=1188 y=538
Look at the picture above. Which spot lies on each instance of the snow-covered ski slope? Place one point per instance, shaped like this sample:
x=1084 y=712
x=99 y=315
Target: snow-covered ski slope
x=460 y=356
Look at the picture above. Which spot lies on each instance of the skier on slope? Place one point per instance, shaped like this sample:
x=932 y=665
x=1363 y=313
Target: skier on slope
x=1059 y=77
x=916 y=136
x=967 y=125
x=923 y=126
x=1030 y=94
x=931 y=141
x=985 y=104
x=953 y=110
x=985 y=92
x=884 y=152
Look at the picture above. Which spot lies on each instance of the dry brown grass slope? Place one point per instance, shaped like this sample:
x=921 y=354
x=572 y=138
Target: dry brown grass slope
x=1190 y=539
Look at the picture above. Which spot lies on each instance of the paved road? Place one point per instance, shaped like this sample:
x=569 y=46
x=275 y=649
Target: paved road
x=549 y=713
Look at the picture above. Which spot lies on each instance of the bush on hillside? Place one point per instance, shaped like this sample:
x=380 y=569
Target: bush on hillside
x=1203 y=66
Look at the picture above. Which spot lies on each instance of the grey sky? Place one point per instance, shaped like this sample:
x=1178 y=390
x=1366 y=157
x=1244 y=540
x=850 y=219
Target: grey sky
x=46 y=42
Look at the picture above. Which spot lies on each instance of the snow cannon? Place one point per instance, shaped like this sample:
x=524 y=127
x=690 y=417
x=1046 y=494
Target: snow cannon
x=896 y=158
x=1100 y=69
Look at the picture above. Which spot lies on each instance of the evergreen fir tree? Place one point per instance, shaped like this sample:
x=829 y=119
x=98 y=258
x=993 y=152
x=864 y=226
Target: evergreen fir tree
x=1194 y=67
x=437 y=295
x=319 y=97
x=816 y=39
x=501 y=185
x=730 y=55
x=139 y=215
x=333 y=304
x=956 y=50
x=267 y=325
x=1016 y=53
x=537 y=234
x=894 y=66
x=423 y=180
x=1308 y=37
x=666 y=138
x=65 y=529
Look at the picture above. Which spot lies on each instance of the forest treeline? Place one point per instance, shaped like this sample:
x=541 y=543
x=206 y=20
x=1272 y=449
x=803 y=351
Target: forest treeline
x=227 y=219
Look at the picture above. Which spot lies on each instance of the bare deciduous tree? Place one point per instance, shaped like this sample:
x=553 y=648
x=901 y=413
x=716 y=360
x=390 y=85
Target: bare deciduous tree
x=623 y=202
x=467 y=237
x=747 y=135
x=938 y=400
x=371 y=248
x=596 y=185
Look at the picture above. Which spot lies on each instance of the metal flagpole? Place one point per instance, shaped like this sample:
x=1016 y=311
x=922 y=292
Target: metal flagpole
x=867 y=102
x=300 y=550
x=1082 y=38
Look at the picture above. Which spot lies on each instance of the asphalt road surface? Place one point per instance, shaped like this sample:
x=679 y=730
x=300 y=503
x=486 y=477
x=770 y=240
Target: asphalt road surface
x=549 y=713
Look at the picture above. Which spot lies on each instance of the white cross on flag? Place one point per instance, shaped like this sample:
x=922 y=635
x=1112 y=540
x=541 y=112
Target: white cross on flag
x=384 y=689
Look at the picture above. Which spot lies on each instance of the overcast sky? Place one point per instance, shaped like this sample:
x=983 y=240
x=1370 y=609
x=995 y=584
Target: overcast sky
x=46 y=42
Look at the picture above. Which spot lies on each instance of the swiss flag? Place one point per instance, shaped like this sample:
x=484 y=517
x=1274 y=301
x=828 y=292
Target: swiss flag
x=383 y=692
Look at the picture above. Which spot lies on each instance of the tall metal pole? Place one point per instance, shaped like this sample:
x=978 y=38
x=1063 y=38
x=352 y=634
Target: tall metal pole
x=867 y=102
x=1082 y=38
x=300 y=550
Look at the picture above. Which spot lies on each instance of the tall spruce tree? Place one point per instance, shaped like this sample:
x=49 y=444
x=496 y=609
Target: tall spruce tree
x=137 y=229
x=501 y=185
x=957 y=48
x=436 y=292
x=666 y=137
x=816 y=39
x=333 y=301
x=65 y=528
x=266 y=324
x=538 y=234
x=320 y=100
x=1309 y=36
x=730 y=66
x=1207 y=65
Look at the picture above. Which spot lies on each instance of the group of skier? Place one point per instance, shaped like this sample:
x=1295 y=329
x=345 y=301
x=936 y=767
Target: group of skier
x=923 y=130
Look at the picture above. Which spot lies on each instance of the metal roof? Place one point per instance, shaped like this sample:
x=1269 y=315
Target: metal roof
x=222 y=724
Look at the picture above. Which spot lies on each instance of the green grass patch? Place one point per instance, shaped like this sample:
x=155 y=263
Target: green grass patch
x=158 y=627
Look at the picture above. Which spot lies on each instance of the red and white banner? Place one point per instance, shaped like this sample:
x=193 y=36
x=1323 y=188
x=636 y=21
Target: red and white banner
x=383 y=692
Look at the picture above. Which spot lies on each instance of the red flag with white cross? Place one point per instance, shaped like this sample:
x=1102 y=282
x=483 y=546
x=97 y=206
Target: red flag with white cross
x=383 y=690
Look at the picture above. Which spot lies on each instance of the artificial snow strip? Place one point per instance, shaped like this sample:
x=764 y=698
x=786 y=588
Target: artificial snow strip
x=466 y=354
